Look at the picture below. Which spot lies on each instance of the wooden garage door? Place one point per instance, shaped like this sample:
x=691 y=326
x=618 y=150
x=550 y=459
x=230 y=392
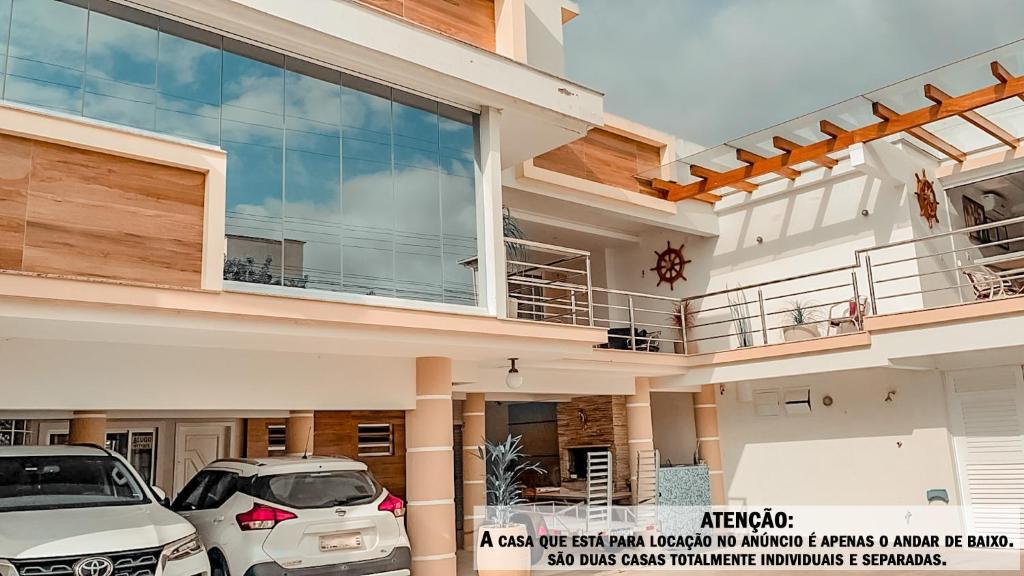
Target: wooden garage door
x=987 y=417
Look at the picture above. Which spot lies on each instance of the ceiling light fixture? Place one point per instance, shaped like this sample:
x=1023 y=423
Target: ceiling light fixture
x=514 y=379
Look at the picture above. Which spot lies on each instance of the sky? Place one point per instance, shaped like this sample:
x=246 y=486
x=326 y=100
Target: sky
x=709 y=71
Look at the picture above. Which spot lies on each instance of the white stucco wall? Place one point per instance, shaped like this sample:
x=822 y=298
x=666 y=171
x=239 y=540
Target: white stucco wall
x=675 y=434
x=812 y=228
x=65 y=375
x=860 y=451
x=544 y=43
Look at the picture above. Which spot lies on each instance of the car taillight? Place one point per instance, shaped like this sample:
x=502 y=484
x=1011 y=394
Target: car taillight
x=262 y=517
x=394 y=505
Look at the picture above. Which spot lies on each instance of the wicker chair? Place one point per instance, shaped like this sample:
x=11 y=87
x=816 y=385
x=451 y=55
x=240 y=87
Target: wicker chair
x=988 y=285
x=846 y=317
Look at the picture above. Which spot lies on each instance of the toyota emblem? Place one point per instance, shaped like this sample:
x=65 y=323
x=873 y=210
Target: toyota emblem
x=339 y=511
x=94 y=566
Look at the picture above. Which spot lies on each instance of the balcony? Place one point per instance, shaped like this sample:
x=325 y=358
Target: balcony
x=944 y=272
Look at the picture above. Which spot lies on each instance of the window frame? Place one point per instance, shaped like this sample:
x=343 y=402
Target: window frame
x=370 y=446
x=25 y=432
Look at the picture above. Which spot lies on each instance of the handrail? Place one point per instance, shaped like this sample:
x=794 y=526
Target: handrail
x=969 y=229
x=550 y=247
x=636 y=321
x=635 y=294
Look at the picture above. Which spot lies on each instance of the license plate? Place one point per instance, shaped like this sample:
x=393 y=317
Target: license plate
x=347 y=541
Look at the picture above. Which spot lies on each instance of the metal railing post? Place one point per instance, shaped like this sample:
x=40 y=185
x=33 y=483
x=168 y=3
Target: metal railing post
x=572 y=304
x=682 y=321
x=871 y=285
x=858 y=321
x=764 y=321
x=959 y=270
x=632 y=325
x=590 y=294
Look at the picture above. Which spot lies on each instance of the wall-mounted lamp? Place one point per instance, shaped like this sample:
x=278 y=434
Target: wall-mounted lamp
x=514 y=379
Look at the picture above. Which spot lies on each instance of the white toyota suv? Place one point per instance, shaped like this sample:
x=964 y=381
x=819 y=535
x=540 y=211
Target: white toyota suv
x=84 y=511
x=293 y=516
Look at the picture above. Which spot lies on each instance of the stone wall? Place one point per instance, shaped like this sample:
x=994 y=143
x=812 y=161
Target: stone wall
x=595 y=421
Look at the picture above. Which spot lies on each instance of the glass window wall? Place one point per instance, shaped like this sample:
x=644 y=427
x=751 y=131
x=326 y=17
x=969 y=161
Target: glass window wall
x=334 y=182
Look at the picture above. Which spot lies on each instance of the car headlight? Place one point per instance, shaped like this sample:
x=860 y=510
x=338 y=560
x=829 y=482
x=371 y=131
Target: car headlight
x=7 y=569
x=184 y=548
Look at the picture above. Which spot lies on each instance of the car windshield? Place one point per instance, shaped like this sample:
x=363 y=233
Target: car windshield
x=50 y=482
x=317 y=489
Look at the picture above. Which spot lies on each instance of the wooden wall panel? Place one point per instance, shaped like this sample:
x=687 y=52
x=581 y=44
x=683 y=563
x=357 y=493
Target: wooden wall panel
x=77 y=212
x=335 y=435
x=471 y=21
x=605 y=157
x=15 y=166
x=256 y=436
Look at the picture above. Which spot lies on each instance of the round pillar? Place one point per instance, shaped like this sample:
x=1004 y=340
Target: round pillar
x=639 y=426
x=705 y=416
x=430 y=470
x=298 y=433
x=474 y=487
x=88 y=428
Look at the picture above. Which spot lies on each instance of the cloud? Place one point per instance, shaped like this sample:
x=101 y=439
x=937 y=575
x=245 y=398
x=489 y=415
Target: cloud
x=709 y=71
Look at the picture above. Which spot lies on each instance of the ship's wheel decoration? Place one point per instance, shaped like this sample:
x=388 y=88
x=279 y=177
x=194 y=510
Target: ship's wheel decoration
x=670 y=266
x=926 y=200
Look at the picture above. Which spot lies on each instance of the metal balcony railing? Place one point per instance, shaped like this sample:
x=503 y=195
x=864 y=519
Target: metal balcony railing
x=976 y=263
x=548 y=283
x=553 y=284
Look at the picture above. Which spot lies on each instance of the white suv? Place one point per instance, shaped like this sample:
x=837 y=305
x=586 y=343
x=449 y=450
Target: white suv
x=297 y=516
x=84 y=511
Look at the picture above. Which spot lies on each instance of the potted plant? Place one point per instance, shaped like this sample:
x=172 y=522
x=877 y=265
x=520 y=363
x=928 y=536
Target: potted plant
x=803 y=318
x=505 y=464
x=740 y=313
x=683 y=318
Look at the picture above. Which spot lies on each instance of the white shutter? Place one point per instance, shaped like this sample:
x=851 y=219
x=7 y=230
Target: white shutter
x=987 y=414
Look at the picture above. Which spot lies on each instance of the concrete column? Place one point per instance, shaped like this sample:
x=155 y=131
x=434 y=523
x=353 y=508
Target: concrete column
x=639 y=426
x=474 y=487
x=430 y=470
x=298 y=433
x=705 y=417
x=493 y=290
x=88 y=428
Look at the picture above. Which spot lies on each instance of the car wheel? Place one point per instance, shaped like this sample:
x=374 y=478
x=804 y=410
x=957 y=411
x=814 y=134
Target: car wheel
x=218 y=565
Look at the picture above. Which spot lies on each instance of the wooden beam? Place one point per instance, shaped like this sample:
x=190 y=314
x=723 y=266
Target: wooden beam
x=885 y=113
x=675 y=187
x=789 y=146
x=952 y=107
x=707 y=173
x=1003 y=75
x=936 y=95
x=750 y=158
x=831 y=129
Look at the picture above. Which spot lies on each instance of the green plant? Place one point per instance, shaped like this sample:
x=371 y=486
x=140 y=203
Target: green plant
x=802 y=312
x=245 y=269
x=740 y=313
x=684 y=315
x=505 y=463
x=510 y=229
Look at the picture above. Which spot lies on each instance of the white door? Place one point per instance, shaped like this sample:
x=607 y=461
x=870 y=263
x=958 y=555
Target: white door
x=987 y=418
x=195 y=446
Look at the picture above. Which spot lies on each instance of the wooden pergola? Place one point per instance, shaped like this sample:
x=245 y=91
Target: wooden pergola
x=838 y=139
